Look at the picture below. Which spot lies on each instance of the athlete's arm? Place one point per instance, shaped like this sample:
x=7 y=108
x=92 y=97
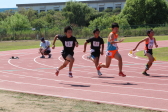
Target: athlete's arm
x=112 y=39
x=155 y=43
x=76 y=43
x=102 y=50
x=55 y=38
x=139 y=43
x=85 y=46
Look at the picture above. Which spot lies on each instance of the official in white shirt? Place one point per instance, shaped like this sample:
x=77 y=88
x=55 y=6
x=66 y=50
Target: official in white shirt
x=45 y=48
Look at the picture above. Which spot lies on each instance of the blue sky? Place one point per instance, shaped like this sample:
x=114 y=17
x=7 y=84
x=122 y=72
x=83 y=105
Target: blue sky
x=12 y=3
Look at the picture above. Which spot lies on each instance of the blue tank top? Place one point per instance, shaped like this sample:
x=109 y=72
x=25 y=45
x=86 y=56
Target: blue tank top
x=112 y=47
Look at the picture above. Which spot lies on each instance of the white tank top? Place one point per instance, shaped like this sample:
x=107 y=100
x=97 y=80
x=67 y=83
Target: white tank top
x=150 y=44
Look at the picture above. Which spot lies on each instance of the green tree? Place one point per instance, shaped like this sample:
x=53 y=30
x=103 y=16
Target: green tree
x=145 y=11
x=2 y=16
x=78 y=13
x=3 y=32
x=16 y=21
x=42 y=14
x=31 y=14
x=116 y=11
x=156 y=11
x=39 y=23
x=59 y=19
x=106 y=21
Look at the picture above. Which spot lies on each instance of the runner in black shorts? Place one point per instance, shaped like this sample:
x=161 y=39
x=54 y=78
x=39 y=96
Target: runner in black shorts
x=150 y=51
x=149 y=42
x=69 y=42
x=96 y=43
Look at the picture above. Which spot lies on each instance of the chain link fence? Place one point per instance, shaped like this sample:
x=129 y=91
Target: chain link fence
x=79 y=32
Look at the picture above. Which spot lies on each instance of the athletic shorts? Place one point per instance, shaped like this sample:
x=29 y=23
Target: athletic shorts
x=47 y=52
x=95 y=54
x=148 y=51
x=65 y=54
x=111 y=54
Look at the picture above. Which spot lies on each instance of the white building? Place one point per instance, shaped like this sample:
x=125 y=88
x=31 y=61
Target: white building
x=99 y=5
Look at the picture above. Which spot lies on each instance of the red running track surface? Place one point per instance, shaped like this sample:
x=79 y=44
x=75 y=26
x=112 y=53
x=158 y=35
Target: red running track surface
x=30 y=74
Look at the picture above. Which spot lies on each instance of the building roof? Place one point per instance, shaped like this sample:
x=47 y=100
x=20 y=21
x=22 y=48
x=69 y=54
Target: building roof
x=62 y=3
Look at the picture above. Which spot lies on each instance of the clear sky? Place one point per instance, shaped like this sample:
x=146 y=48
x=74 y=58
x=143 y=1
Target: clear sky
x=12 y=3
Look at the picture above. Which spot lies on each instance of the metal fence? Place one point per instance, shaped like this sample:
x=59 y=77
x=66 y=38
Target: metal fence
x=79 y=32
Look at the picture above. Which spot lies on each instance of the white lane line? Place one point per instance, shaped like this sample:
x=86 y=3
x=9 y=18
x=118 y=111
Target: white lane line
x=41 y=63
x=134 y=70
x=100 y=101
x=40 y=85
x=143 y=82
x=82 y=76
x=102 y=84
x=136 y=57
x=83 y=57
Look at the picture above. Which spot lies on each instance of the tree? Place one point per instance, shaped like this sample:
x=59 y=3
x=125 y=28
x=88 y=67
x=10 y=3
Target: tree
x=42 y=14
x=106 y=21
x=16 y=21
x=2 y=16
x=78 y=13
x=39 y=23
x=145 y=11
x=116 y=11
x=31 y=14
x=3 y=33
x=156 y=11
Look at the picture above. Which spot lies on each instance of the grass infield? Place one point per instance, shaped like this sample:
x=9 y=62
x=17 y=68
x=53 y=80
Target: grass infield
x=21 y=102
x=160 y=54
x=28 y=44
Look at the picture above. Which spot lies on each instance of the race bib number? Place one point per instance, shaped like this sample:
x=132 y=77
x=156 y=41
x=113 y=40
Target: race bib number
x=108 y=53
x=69 y=43
x=150 y=46
x=96 y=44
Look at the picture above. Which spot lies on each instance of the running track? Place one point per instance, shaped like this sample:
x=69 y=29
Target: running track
x=30 y=74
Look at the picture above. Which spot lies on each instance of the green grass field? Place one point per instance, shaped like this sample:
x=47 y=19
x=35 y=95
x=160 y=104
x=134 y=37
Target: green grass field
x=160 y=54
x=28 y=44
x=21 y=102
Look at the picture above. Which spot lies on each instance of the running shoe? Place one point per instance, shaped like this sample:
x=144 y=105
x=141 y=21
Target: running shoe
x=99 y=73
x=89 y=57
x=98 y=67
x=146 y=74
x=42 y=56
x=49 y=56
x=70 y=75
x=121 y=74
x=57 y=72
x=147 y=67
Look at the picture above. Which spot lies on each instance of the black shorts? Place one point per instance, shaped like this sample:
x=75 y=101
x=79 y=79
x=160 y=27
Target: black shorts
x=95 y=54
x=47 y=52
x=65 y=54
x=150 y=51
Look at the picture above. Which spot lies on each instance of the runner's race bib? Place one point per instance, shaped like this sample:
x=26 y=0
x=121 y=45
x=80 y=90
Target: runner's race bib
x=108 y=53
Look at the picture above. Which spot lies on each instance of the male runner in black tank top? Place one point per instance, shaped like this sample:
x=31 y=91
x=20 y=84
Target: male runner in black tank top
x=96 y=43
x=69 y=42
